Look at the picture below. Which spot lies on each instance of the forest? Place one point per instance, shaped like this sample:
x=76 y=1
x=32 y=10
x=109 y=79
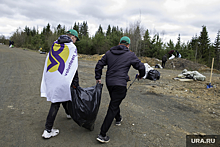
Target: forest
x=199 y=49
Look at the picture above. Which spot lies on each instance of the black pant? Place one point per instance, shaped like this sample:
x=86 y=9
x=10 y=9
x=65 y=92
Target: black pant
x=117 y=94
x=163 y=63
x=53 y=112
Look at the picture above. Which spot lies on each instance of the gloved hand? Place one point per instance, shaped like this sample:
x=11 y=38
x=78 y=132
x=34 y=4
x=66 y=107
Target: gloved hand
x=137 y=76
x=98 y=81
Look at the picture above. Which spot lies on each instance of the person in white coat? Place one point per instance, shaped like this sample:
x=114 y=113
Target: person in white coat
x=60 y=72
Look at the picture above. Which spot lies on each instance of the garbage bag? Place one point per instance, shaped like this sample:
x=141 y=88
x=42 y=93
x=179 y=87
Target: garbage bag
x=85 y=104
x=157 y=66
x=153 y=75
x=172 y=57
x=147 y=69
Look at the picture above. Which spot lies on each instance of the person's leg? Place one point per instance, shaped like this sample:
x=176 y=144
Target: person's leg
x=117 y=116
x=170 y=55
x=117 y=94
x=52 y=115
x=65 y=107
x=49 y=131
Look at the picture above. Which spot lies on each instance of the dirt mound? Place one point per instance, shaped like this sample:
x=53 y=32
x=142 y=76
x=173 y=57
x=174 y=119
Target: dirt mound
x=179 y=64
x=176 y=63
x=95 y=57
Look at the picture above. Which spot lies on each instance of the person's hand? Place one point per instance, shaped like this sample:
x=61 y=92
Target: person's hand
x=98 y=81
x=139 y=77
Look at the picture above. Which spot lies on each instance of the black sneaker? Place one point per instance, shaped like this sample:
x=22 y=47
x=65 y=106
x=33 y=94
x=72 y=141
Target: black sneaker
x=118 y=123
x=102 y=139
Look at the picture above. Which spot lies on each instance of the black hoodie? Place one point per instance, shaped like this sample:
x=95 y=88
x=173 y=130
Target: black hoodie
x=118 y=60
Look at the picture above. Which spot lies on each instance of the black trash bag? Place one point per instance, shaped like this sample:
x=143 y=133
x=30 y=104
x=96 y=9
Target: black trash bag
x=153 y=75
x=85 y=104
x=157 y=66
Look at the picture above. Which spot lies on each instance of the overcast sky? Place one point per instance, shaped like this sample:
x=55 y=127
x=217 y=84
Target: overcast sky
x=167 y=17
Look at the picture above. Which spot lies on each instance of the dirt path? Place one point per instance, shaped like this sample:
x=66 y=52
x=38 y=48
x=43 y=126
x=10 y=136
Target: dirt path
x=152 y=117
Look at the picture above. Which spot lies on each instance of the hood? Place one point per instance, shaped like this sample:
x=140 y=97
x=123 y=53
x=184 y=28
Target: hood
x=64 y=39
x=120 y=49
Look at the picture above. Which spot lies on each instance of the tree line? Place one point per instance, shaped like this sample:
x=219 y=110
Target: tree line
x=199 y=49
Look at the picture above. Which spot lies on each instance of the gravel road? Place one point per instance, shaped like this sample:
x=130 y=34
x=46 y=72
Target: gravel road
x=149 y=119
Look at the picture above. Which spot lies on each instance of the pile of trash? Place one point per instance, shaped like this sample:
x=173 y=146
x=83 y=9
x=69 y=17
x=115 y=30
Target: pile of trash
x=194 y=75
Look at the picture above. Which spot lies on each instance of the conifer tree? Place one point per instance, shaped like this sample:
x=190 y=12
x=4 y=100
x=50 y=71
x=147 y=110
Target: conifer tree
x=217 y=51
x=203 y=46
x=147 y=44
x=108 y=33
x=178 y=44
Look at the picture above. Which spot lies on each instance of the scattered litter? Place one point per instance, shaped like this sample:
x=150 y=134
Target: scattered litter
x=183 y=80
x=194 y=74
x=158 y=66
x=190 y=76
x=11 y=107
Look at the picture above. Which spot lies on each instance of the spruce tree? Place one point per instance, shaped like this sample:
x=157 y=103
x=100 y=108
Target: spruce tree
x=204 y=43
x=108 y=33
x=147 y=44
x=178 y=44
x=217 y=51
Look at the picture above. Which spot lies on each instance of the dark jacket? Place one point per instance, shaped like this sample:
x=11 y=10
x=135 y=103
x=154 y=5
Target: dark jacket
x=177 y=54
x=171 y=52
x=66 y=39
x=164 y=58
x=118 y=60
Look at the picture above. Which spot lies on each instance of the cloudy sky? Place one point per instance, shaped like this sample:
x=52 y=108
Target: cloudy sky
x=167 y=17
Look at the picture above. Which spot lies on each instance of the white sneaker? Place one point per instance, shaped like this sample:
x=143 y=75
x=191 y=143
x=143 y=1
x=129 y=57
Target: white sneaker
x=68 y=116
x=54 y=132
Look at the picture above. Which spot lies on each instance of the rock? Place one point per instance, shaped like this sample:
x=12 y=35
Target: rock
x=202 y=134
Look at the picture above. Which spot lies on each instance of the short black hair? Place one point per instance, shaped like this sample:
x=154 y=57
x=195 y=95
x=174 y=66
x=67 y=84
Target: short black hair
x=124 y=42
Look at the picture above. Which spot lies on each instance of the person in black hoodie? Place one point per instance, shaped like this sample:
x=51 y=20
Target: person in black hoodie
x=118 y=60
x=71 y=36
